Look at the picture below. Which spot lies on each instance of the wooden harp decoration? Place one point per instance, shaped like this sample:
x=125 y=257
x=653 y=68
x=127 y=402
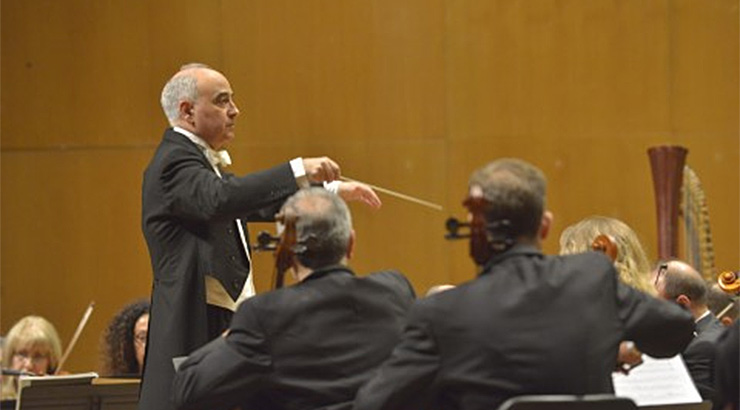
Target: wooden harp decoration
x=666 y=163
x=678 y=192
x=698 y=238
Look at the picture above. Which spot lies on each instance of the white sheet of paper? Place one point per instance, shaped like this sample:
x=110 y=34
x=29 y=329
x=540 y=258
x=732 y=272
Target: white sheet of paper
x=656 y=382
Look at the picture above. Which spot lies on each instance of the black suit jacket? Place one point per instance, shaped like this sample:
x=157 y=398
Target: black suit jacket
x=699 y=355
x=727 y=368
x=530 y=324
x=188 y=215
x=309 y=346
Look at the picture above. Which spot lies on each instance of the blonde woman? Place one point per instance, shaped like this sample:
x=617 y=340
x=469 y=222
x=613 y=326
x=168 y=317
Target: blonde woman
x=32 y=346
x=631 y=263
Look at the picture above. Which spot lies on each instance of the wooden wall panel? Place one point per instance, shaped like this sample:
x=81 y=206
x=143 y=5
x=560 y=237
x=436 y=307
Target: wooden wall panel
x=72 y=72
x=412 y=95
x=70 y=235
x=338 y=70
x=704 y=68
x=575 y=67
x=704 y=110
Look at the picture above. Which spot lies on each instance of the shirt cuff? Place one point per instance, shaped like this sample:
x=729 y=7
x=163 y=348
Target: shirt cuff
x=332 y=186
x=299 y=172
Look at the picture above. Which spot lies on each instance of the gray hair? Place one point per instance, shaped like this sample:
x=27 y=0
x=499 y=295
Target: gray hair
x=181 y=87
x=323 y=227
x=516 y=191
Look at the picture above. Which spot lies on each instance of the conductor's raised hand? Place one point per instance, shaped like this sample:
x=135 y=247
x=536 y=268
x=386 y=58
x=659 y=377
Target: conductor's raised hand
x=357 y=191
x=321 y=169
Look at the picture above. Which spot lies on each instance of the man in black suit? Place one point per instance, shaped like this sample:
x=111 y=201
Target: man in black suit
x=727 y=368
x=193 y=215
x=681 y=283
x=530 y=323
x=308 y=346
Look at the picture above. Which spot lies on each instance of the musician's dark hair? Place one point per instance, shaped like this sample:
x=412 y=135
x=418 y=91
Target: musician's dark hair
x=118 y=354
x=323 y=227
x=516 y=191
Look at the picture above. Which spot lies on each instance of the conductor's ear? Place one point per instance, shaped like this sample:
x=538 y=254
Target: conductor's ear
x=186 y=110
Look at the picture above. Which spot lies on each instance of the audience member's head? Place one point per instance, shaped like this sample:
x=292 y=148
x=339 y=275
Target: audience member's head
x=33 y=346
x=324 y=234
x=515 y=191
x=631 y=262
x=681 y=283
x=724 y=306
x=124 y=340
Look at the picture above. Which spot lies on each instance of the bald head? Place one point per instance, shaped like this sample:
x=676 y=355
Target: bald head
x=682 y=283
x=183 y=86
x=199 y=99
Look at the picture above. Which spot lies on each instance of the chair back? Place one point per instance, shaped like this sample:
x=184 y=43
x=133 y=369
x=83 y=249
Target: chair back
x=569 y=402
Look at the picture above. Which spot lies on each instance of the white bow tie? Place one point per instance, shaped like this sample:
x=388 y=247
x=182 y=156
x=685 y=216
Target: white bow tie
x=217 y=158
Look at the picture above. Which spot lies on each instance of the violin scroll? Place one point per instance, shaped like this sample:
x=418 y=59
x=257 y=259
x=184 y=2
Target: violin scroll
x=729 y=282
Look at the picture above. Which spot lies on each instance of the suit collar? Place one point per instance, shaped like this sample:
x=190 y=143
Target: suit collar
x=705 y=322
x=170 y=135
x=516 y=251
x=329 y=270
x=173 y=136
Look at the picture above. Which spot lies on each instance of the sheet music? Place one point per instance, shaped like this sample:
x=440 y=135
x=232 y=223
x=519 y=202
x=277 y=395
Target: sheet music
x=657 y=382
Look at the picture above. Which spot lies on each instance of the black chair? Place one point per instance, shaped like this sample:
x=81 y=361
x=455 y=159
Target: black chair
x=567 y=402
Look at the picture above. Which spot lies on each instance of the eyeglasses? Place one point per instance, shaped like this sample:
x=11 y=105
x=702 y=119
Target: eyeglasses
x=661 y=271
x=35 y=358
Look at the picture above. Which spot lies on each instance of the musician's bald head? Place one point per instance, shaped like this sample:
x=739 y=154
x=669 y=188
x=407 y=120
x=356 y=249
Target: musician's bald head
x=682 y=283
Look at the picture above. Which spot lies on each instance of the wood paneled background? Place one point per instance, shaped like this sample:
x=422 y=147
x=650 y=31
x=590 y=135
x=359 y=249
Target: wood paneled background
x=411 y=95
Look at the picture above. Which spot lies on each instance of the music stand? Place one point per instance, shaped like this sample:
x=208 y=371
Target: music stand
x=93 y=394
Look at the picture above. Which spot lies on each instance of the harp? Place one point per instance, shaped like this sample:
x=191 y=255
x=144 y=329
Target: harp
x=678 y=193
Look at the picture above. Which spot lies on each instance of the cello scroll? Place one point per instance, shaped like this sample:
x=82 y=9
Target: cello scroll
x=606 y=244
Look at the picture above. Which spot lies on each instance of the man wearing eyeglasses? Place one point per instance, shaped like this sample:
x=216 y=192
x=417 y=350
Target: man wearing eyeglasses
x=679 y=282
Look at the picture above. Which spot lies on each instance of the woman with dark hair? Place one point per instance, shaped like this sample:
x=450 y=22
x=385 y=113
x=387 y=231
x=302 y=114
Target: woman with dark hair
x=124 y=341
